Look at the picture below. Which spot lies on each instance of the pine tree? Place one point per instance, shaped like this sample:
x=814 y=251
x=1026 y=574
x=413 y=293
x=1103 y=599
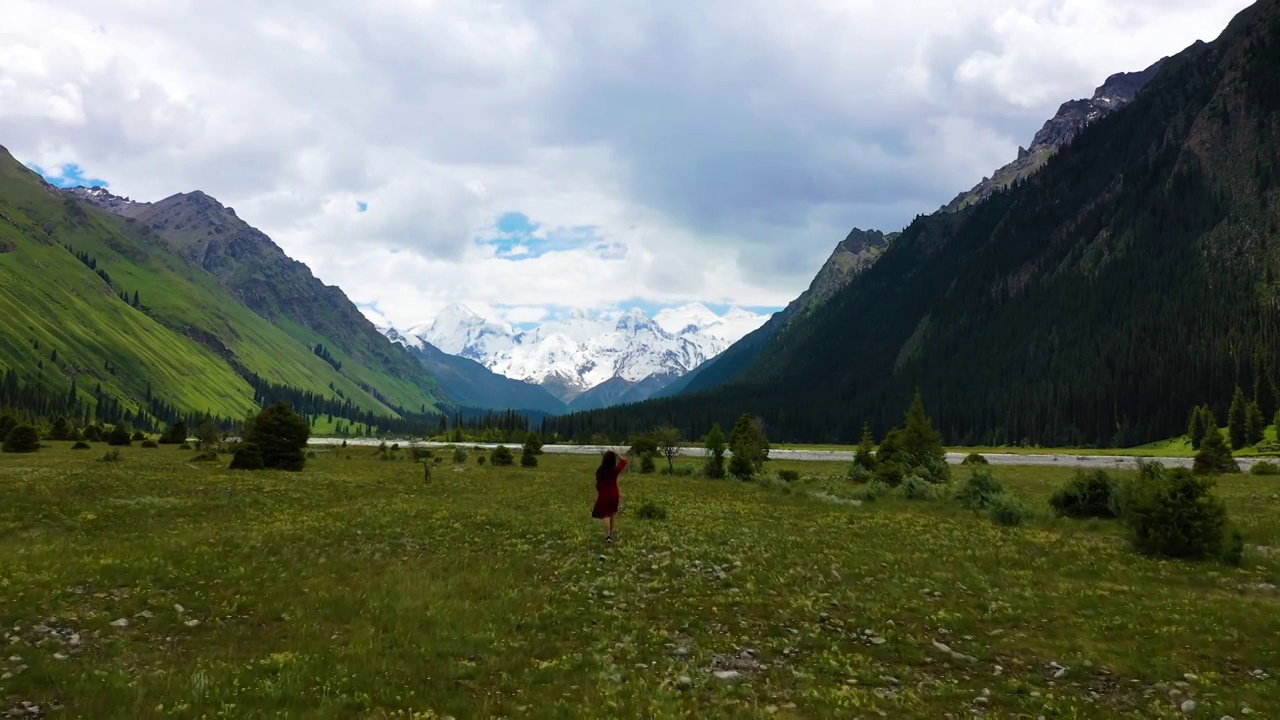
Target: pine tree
x=60 y=430
x=865 y=457
x=1255 y=423
x=1196 y=430
x=1236 y=423
x=922 y=445
x=714 y=467
x=529 y=451
x=1214 y=456
x=280 y=435
x=176 y=434
x=749 y=447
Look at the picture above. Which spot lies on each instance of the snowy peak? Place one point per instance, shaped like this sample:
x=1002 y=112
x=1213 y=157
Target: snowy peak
x=102 y=198
x=585 y=350
x=458 y=330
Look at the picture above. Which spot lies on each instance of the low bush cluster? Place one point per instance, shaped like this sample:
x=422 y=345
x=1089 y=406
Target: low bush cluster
x=502 y=457
x=1008 y=510
x=1172 y=512
x=979 y=490
x=22 y=439
x=1264 y=467
x=1087 y=495
x=649 y=510
x=915 y=487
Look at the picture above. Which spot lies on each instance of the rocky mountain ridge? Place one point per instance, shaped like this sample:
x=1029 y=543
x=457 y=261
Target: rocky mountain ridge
x=1073 y=116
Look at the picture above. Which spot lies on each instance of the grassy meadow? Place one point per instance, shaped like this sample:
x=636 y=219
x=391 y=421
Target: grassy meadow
x=160 y=587
x=1179 y=447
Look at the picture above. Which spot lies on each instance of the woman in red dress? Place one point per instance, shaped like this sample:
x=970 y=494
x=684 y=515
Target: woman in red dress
x=607 y=495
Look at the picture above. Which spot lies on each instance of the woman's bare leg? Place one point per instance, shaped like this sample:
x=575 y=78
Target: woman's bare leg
x=613 y=523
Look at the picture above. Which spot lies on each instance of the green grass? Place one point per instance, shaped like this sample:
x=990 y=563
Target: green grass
x=48 y=295
x=354 y=589
x=1172 y=447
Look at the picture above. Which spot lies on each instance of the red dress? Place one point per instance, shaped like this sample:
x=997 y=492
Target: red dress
x=607 y=495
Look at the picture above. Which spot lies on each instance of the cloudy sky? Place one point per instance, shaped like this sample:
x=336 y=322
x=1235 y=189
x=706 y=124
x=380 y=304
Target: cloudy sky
x=528 y=156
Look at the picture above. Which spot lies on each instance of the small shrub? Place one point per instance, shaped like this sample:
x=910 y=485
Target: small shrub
x=1172 y=512
x=1087 y=495
x=890 y=473
x=647 y=465
x=111 y=456
x=788 y=475
x=975 y=459
x=480 y=459
x=22 y=439
x=1233 y=548
x=1265 y=468
x=528 y=458
x=150 y=444
x=311 y=454
x=395 y=447
x=860 y=474
x=185 y=446
x=502 y=456
x=248 y=457
x=119 y=436
x=1008 y=510
x=459 y=456
x=175 y=434
x=979 y=490
x=81 y=445
x=420 y=454
x=649 y=510
x=874 y=490
x=915 y=488
x=138 y=436
x=93 y=433
x=206 y=456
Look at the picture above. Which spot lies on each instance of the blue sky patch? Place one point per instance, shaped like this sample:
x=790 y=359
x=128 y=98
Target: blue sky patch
x=68 y=176
x=362 y=206
x=517 y=237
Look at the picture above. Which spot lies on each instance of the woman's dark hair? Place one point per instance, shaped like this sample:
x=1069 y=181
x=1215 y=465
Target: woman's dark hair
x=609 y=461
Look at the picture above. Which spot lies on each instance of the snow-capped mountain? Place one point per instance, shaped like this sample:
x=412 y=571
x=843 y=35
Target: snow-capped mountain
x=636 y=355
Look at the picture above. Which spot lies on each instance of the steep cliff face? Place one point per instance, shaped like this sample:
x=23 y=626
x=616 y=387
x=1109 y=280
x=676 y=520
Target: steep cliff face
x=851 y=256
x=1072 y=117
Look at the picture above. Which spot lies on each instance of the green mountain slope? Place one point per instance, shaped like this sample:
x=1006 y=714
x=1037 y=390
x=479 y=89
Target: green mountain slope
x=853 y=255
x=187 y=340
x=1135 y=275
x=256 y=271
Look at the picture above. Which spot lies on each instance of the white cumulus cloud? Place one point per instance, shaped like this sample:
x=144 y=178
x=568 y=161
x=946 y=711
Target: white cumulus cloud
x=716 y=149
